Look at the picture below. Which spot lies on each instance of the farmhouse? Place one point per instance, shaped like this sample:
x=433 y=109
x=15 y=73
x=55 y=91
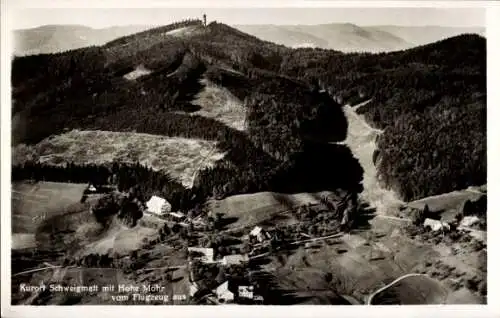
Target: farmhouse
x=258 y=299
x=468 y=221
x=158 y=205
x=436 y=225
x=206 y=255
x=193 y=288
x=234 y=259
x=177 y=216
x=258 y=233
x=245 y=292
x=223 y=293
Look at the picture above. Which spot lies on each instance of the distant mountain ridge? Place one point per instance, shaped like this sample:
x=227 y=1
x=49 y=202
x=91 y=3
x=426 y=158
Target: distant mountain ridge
x=427 y=34
x=346 y=37
x=59 y=38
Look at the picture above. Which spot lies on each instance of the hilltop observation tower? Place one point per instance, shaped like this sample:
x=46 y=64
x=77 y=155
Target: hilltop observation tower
x=204 y=20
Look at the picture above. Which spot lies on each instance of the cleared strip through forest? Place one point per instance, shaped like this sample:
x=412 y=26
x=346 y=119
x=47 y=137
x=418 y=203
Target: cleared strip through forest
x=361 y=140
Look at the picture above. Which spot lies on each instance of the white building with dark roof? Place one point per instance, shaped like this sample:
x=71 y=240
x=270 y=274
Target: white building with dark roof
x=224 y=295
x=468 y=221
x=245 y=292
x=177 y=216
x=436 y=225
x=258 y=233
x=158 y=205
x=236 y=259
x=193 y=288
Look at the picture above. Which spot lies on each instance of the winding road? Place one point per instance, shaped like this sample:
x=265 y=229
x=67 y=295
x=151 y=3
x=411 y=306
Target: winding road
x=369 y=301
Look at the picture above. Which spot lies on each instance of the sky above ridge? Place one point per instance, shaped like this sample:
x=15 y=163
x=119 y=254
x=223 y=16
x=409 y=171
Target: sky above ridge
x=106 y=17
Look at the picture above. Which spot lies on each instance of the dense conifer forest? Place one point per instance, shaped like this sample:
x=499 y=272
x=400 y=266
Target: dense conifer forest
x=430 y=101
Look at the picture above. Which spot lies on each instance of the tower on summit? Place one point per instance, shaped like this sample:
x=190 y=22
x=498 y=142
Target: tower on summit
x=204 y=19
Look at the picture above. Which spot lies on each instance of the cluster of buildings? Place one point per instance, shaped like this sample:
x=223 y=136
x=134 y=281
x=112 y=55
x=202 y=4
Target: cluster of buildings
x=245 y=293
x=436 y=225
x=225 y=292
x=442 y=226
x=222 y=294
x=258 y=235
x=206 y=255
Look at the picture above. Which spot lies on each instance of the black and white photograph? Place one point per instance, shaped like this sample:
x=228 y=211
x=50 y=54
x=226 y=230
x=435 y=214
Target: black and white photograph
x=276 y=155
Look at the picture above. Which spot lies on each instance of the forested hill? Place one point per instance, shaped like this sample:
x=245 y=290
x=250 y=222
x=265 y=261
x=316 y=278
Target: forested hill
x=431 y=103
x=430 y=100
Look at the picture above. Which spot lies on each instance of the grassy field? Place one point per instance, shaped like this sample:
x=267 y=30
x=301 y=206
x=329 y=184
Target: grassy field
x=252 y=209
x=181 y=157
x=49 y=216
x=46 y=210
x=360 y=262
x=34 y=203
x=366 y=260
x=411 y=290
x=157 y=262
x=422 y=290
x=23 y=241
x=357 y=269
x=219 y=103
x=61 y=226
x=451 y=201
x=119 y=240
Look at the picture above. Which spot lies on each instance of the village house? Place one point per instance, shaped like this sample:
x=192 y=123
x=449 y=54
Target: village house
x=258 y=299
x=224 y=295
x=469 y=221
x=436 y=225
x=258 y=234
x=177 y=216
x=206 y=255
x=157 y=205
x=245 y=292
x=193 y=288
x=236 y=259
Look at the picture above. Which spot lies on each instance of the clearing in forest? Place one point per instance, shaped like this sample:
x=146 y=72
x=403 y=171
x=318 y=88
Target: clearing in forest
x=219 y=103
x=180 y=157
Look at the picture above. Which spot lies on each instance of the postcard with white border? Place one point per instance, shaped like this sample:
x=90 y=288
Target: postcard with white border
x=266 y=157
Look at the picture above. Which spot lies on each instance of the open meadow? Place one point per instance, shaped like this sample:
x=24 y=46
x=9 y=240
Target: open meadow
x=252 y=209
x=362 y=262
x=51 y=226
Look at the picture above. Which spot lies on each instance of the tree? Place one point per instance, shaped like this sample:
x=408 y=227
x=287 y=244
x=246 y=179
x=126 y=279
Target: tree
x=176 y=228
x=105 y=207
x=218 y=220
x=328 y=277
